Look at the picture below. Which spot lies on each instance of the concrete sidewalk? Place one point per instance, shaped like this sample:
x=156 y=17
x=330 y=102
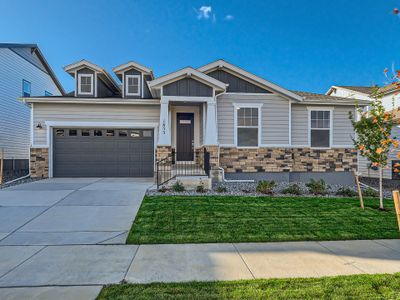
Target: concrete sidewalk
x=95 y=265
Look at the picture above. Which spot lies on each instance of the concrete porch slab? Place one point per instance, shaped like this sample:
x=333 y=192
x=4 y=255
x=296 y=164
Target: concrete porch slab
x=12 y=256
x=73 y=265
x=292 y=259
x=50 y=293
x=187 y=262
x=83 y=218
x=367 y=256
x=31 y=198
x=59 y=238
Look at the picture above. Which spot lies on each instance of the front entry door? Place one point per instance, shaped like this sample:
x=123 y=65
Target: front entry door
x=185 y=136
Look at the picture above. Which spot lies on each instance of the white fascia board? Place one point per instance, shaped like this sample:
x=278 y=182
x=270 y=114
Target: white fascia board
x=74 y=100
x=189 y=72
x=131 y=64
x=223 y=64
x=82 y=63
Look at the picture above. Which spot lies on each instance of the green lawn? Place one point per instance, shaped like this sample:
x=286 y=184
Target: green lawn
x=382 y=286
x=189 y=219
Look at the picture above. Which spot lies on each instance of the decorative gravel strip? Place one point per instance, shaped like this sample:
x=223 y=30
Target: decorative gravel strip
x=18 y=182
x=249 y=189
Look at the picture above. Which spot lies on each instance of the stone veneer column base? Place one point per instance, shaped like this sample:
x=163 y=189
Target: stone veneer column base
x=39 y=162
x=215 y=172
x=163 y=152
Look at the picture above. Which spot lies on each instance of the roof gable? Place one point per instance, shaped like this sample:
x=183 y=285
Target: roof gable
x=221 y=64
x=187 y=72
x=132 y=65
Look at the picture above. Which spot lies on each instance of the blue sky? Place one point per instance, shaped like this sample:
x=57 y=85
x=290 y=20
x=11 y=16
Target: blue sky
x=305 y=45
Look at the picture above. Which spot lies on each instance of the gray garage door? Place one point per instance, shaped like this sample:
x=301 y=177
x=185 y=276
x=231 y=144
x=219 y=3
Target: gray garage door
x=103 y=152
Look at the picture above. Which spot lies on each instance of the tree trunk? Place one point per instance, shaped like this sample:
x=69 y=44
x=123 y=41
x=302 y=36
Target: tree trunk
x=380 y=188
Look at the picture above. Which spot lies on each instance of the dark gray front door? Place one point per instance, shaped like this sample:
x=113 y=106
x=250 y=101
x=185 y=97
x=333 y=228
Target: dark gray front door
x=184 y=136
x=103 y=152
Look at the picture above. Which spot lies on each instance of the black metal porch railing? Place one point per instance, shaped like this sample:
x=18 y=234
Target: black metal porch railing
x=169 y=167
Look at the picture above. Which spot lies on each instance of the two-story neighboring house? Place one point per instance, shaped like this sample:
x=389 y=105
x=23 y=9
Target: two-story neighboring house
x=251 y=128
x=390 y=98
x=23 y=72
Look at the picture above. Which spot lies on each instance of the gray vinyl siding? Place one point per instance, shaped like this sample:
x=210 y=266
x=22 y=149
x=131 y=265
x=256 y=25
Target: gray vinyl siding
x=274 y=117
x=387 y=173
x=102 y=90
x=342 y=129
x=26 y=53
x=187 y=87
x=146 y=90
x=85 y=71
x=14 y=115
x=91 y=113
x=236 y=84
x=299 y=125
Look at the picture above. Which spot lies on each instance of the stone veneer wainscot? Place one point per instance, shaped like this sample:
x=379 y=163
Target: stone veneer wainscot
x=287 y=160
x=39 y=162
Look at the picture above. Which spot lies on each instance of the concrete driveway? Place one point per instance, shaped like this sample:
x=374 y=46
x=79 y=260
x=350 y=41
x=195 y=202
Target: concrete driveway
x=68 y=211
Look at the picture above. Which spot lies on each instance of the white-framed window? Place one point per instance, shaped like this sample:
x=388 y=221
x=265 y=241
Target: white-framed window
x=247 y=125
x=85 y=84
x=320 y=128
x=132 y=85
x=26 y=88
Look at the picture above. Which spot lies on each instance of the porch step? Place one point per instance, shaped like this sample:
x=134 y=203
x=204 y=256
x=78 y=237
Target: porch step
x=191 y=182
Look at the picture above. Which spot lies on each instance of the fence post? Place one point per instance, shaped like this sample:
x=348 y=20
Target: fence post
x=1 y=165
x=396 y=199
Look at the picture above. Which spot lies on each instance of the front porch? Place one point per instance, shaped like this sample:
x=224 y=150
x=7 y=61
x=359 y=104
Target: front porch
x=187 y=132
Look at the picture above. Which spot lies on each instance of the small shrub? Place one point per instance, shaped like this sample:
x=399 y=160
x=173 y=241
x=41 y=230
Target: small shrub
x=221 y=189
x=178 y=186
x=346 y=192
x=163 y=189
x=317 y=187
x=246 y=191
x=369 y=192
x=200 y=188
x=266 y=187
x=293 y=189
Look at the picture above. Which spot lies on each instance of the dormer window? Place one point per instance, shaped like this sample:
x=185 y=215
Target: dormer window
x=132 y=85
x=85 y=84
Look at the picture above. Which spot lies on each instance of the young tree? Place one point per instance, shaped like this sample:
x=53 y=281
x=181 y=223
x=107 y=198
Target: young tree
x=373 y=137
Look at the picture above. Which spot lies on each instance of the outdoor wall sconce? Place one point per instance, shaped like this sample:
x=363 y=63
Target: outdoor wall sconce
x=39 y=126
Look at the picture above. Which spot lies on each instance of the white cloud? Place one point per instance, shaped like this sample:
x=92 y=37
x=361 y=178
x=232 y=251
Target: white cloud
x=204 y=12
x=229 y=18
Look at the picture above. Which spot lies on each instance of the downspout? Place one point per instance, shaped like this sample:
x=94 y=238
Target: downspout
x=222 y=169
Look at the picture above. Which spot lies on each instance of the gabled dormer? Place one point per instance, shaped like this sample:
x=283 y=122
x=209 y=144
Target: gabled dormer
x=134 y=78
x=92 y=81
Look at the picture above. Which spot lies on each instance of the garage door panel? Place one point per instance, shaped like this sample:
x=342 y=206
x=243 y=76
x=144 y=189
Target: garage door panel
x=101 y=156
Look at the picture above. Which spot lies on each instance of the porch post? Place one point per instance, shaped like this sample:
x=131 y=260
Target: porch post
x=164 y=134
x=211 y=124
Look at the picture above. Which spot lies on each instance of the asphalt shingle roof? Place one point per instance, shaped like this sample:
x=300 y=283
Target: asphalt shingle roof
x=361 y=89
x=313 y=98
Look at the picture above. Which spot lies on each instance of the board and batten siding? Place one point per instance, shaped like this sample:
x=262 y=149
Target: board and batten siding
x=342 y=128
x=274 y=117
x=91 y=113
x=15 y=115
x=363 y=162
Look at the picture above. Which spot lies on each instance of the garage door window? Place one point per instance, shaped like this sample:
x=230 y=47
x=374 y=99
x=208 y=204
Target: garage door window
x=147 y=133
x=123 y=133
x=109 y=132
x=73 y=132
x=85 y=132
x=60 y=132
x=135 y=133
x=98 y=132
